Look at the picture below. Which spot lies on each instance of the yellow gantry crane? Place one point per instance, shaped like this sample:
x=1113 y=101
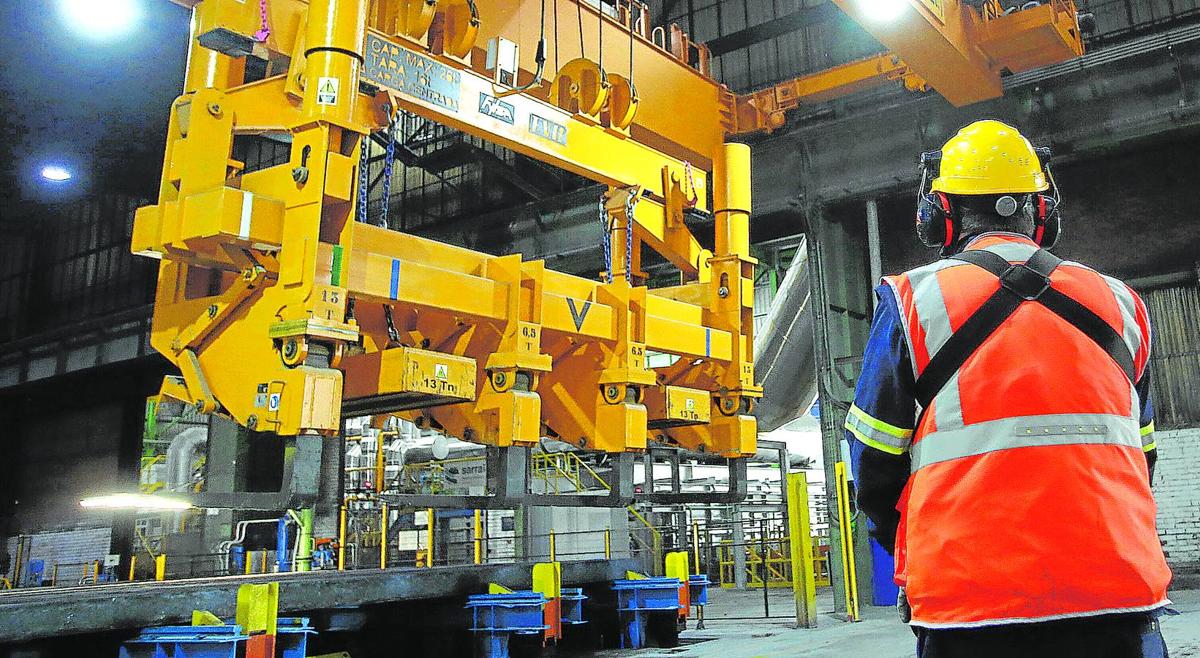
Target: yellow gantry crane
x=284 y=312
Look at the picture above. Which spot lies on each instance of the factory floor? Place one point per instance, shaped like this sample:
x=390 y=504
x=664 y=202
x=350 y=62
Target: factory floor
x=728 y=632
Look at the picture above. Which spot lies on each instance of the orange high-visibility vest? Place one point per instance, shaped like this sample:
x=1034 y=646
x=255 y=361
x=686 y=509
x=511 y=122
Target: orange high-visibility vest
x=1029 y=497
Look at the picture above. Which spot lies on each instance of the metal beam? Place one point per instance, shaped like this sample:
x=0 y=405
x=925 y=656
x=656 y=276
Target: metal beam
x=30 y=614
x=867 y=145
x=797 y=20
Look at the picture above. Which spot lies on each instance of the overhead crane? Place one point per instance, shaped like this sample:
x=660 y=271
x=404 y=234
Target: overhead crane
x=284 y=311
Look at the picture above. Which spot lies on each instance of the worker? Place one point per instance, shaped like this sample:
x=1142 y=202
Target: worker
x=1002 y=431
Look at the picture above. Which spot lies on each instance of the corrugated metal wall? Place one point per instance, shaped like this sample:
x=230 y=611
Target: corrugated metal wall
x=69 y=263
x=1175 y=355
x=774 y=60
x=72 y=551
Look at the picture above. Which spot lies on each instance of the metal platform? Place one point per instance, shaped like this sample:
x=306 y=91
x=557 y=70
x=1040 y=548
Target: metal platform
x=34 y=613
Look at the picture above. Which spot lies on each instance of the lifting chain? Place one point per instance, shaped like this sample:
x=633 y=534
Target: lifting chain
x=693 y=195
x=606 y=240
x=393 y=334
x=389 y=156
x=364 y=181
x=264 y=29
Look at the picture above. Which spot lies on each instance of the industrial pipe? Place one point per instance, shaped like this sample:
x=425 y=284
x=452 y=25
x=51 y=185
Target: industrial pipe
x=281 y=545
x=304 y=540
x=181 y=454
x=783 y=350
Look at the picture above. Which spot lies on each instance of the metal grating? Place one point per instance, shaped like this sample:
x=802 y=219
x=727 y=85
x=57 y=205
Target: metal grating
x=71 y=263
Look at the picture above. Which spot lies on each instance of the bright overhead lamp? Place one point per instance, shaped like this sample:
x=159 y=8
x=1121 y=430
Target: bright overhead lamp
x=882 y=11
x=101 y=19
x=56 y=173
x=135 y=501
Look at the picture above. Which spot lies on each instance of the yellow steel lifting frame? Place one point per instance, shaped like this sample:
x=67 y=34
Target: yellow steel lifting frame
x=283 y=313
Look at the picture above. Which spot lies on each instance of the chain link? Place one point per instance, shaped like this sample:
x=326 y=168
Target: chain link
x=606 y=241
x=387 y=170
x=694 y=197
x=264 y=29
x=364 y=180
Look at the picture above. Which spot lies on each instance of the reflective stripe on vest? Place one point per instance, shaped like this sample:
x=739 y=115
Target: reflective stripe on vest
x=1025 y=432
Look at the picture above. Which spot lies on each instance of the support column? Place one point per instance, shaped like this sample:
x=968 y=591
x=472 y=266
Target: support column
x=224 y=472
x=739 y=549
x=874 y=250
x=842 y=309
x=329 y=496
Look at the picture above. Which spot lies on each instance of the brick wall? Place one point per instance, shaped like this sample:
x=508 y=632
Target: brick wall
x=1177 y=489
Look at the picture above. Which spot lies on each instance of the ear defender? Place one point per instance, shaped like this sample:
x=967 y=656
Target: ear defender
x=936 y=224
x=1047 y=223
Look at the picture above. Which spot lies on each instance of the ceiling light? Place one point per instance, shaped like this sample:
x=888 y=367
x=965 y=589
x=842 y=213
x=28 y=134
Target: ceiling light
x=883 y=11
x=101 y=19
x=56 y=173
x=135 y=501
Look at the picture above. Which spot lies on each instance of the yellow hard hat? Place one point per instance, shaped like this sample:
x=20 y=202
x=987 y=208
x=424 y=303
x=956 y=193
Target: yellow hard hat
x=989 y=157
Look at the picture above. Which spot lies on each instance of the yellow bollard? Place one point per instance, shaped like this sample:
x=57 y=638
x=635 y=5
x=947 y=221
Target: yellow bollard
x=132 y=566
x=342 y=539
x=429 y=553
x=54 y=576
x=160 y=567
x=552 y=551
x=478 y=532
x=608 y=543
x=383 y=520
x=849 y=579
x=804 y=585
x=696 y=547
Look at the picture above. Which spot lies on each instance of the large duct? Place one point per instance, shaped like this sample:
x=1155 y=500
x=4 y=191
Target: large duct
x=181 y=454
x=185 y=448
x=783 y=361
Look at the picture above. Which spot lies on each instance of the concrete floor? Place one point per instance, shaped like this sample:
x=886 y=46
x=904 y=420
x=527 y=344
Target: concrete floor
x=878 y=635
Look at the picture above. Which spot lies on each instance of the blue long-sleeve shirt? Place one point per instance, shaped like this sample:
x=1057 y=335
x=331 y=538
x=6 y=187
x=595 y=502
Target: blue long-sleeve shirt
x=885 y=409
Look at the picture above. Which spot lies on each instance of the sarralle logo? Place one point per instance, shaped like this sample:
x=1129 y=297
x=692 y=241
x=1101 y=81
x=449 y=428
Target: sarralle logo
x=497 y=109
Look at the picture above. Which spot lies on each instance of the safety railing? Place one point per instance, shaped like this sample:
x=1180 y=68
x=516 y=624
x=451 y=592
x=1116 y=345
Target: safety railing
x=554 y=469
x=768 y=563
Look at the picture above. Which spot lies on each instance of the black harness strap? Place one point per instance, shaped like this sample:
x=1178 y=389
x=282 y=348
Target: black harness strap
x=1029 y=281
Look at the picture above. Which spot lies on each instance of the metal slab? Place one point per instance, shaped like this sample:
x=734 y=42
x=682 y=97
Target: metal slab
x=30 y=614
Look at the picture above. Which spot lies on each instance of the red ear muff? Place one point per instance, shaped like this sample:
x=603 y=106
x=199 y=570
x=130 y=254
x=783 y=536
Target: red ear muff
x=1047 y=221
x=1039 y=219
x=936 y=226
x=951 y=236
